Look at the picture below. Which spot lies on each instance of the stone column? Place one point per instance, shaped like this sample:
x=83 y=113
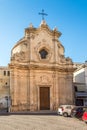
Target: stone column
x=32 y=104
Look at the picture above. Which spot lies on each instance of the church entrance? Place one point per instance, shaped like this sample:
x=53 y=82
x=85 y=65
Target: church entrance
x=44 y=98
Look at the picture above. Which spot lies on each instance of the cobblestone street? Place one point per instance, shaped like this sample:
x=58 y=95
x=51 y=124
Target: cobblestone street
x=40 y=122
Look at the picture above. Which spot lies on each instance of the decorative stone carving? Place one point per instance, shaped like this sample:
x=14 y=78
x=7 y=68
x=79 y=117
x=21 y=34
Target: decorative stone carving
x=31 y=25
x=19 y=56
x=62 y=59
x=55 y=29
x=32 y=36
x=43 y=23
x=65 y=60
x=43 y=40
x=68 y=60
x=44 y=79
x=40 y=46
x=25 y=44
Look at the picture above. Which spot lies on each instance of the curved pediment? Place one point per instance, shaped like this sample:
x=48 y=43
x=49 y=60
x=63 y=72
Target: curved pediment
x=43 y=26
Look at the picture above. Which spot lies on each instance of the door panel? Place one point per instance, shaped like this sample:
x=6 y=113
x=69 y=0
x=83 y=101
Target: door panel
x=44 y=98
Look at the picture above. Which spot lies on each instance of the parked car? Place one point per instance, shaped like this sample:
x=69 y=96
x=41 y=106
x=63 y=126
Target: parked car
x=84 y=117
x=78 y=111
x=65 y=110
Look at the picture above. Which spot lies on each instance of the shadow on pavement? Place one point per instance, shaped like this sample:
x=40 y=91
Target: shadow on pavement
x=43 y=112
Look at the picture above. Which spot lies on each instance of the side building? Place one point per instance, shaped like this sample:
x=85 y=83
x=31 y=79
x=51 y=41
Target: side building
x=80 y=84
x=4 y=85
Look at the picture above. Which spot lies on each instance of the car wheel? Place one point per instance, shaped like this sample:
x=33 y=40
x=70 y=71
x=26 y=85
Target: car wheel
x=65 y=114
x=86 y=122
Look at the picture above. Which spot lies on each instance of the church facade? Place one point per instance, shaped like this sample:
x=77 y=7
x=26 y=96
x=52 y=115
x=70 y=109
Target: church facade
x=41 y=77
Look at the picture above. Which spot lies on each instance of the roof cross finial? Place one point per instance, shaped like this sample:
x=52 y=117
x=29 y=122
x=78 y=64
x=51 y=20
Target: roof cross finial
x=43 y=14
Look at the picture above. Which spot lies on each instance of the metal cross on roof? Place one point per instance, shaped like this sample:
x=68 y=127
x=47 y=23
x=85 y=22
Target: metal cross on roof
x=43 y=14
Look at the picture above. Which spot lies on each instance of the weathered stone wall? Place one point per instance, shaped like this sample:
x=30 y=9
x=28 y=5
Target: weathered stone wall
x=29 y=71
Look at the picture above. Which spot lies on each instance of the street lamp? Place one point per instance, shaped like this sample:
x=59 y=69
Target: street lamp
x=6 y=97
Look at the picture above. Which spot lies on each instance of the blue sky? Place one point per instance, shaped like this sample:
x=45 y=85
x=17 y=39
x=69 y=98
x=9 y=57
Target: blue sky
x=69 y=16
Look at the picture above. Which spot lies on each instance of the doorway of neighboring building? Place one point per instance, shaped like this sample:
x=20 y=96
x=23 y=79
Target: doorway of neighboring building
x=44 y=98
x=79 y=102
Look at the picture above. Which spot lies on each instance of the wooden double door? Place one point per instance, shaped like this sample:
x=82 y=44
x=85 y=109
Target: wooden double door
x=44 y=98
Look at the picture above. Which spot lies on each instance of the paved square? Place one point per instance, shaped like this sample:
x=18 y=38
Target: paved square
x=40 y=122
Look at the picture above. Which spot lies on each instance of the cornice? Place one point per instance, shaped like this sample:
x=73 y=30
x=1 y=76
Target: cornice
x=18 y=66
x=42 y=67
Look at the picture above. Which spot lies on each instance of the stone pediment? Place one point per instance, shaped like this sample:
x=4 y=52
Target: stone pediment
x=43 y=26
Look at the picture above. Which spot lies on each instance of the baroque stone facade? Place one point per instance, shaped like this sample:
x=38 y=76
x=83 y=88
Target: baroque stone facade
x=40 y=76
